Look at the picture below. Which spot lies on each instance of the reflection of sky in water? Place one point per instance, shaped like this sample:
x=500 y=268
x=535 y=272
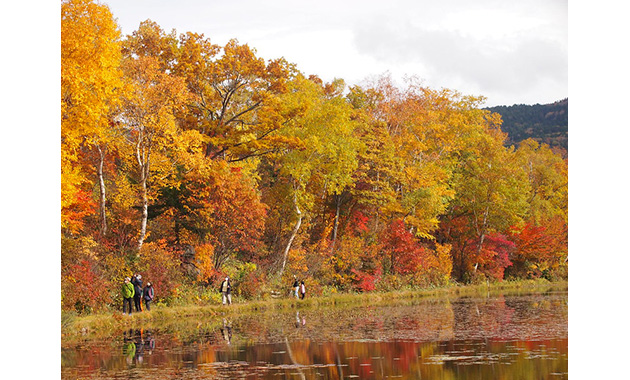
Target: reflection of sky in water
x=495 y=337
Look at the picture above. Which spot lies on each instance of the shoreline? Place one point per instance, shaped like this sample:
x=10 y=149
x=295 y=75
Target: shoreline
x=109 y=323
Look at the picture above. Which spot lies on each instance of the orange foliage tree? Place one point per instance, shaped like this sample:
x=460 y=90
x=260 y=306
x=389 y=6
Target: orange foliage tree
x=90 y=80
x=234 y=101
x=148 y=115
x=404 y=254
x=220 y=206
x=539 y=249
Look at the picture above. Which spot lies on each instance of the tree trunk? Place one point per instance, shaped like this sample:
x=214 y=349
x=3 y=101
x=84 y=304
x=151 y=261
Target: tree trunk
x=143 y=157
x=220 y=255
x=481 y=239
x=462 y=261
x=482 y=235
x=336 y=225
x=293 y=234
x=177 y=228
x=145 y=214
x=102 y=188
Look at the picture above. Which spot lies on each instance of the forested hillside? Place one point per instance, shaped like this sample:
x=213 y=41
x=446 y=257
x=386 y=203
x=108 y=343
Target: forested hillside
x=186 y=161
x=545 y=123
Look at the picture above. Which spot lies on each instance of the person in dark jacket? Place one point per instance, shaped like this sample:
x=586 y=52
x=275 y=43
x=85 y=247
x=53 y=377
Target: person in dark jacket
x=127 y=294
x=226 y=291
x=296 y=286
x=148 y=294
x=137 y=287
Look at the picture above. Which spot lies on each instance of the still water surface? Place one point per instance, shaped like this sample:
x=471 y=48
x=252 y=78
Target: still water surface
x=495 y=337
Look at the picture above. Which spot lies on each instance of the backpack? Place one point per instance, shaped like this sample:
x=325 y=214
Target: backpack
x=148 y=295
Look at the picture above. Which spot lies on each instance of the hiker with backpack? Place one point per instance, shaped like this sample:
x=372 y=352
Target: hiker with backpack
x=136 y=280
x=127 y=294
x=148 y=295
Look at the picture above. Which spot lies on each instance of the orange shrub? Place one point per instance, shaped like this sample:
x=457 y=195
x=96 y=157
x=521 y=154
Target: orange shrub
x=436 y=266
x=160 y=265
x=83 y=288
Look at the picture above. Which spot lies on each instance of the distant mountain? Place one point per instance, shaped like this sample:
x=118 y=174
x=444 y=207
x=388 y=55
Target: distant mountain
x=545 y=123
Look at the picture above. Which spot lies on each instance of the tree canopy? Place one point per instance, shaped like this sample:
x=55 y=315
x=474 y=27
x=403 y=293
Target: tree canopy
x=188 y=161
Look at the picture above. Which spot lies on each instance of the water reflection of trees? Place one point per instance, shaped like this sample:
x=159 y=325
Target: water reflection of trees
x=492 y=337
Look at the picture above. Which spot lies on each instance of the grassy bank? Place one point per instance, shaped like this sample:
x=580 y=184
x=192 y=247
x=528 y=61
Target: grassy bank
x=162 y=316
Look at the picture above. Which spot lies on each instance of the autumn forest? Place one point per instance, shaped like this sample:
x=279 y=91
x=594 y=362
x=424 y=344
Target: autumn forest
x=186 y=161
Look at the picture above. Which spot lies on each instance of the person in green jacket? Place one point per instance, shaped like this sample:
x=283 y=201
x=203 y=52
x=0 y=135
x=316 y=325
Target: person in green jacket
x=127 y=293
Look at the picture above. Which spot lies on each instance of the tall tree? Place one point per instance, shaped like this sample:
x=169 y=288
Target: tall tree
x=408 y=166
x=222 y=208
x=90 y=79
x=547 y=174
x=541 y=243
x=148 y=113
x=234 y=102
x=323 y=164
x=492 y=192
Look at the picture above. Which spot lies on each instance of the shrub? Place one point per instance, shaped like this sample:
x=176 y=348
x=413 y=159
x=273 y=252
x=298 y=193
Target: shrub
x=365 y=282
x=83 y=288
x=494 y=257
x=435 y=267
x=160 y=265
x=400 y=249
x=389 y=282
x=246 y=279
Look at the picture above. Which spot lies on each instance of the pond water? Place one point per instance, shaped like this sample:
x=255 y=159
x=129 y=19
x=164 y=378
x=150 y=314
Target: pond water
x=494 y=337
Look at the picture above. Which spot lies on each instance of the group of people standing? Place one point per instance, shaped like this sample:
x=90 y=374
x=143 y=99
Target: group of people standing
x=132 y=289
x=298 y=288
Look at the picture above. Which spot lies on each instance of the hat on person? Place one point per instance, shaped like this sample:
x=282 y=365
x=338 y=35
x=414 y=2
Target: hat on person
x=127 y=279
x=148 y=284
x=139 y=276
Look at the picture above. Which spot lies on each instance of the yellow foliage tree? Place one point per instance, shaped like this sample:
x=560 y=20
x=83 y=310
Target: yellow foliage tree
x=90 y=77
x=153 y=135
x=234 y=100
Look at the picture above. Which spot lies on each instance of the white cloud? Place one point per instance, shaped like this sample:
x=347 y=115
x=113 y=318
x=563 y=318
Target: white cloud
x=510 y=65
x=510 y=52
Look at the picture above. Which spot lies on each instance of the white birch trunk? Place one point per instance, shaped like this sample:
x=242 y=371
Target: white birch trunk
x=145 y=215
x=293 y=234
x=101 y=180
x=143 y=162
x=483 y=235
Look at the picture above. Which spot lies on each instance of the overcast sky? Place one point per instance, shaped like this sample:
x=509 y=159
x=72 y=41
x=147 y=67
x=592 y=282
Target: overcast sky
x=511 y=52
